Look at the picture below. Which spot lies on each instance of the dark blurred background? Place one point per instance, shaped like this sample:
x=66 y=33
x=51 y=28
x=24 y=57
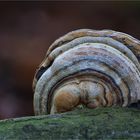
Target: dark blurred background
x=28 y=28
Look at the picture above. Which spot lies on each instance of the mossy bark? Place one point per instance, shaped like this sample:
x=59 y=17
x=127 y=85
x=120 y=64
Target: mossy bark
x=82 y=124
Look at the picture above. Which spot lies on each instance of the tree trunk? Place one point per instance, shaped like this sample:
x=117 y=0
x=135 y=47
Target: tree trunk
x=89 y=124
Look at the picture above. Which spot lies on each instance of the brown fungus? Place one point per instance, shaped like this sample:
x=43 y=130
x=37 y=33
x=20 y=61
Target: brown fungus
x=88 y=67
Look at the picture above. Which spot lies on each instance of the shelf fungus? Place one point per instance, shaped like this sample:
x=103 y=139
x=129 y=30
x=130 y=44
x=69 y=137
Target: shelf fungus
x=88 y=68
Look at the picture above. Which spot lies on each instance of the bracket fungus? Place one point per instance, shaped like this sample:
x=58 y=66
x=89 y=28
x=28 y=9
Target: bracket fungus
x=88 y=67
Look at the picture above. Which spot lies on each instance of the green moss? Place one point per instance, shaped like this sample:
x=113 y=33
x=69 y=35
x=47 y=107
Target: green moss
x=101 y=123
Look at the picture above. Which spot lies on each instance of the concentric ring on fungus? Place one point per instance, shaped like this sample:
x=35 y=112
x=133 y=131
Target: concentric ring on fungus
x=107 y=58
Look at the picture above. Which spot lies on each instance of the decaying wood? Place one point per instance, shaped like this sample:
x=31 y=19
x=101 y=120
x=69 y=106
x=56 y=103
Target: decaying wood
x=85 y=124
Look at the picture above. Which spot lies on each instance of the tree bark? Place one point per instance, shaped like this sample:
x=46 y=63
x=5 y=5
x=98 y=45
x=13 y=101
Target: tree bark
x=82 y=124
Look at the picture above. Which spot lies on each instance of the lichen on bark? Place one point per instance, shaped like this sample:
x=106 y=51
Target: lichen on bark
x=82 y=124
